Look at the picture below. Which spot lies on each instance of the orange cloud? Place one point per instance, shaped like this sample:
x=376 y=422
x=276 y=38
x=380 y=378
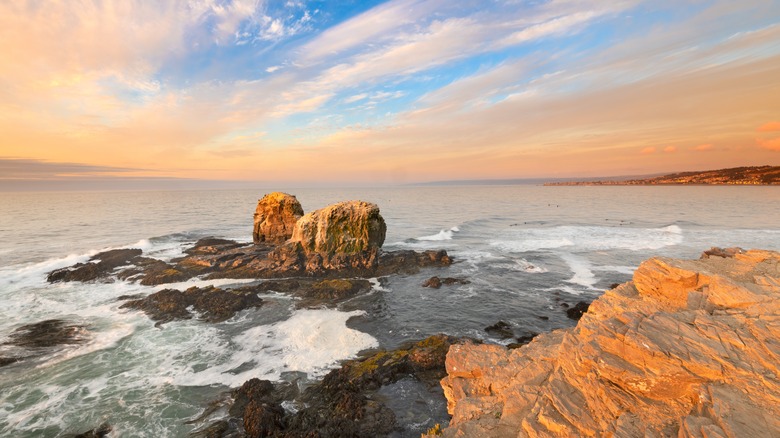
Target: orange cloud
x=704 y=147
x=772 y=144
x=670 y=149
x=647 y=151
x=769 y=127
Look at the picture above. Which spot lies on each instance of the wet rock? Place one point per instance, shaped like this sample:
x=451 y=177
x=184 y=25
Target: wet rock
x=98 y=267
x=410 y=262
x=721 y=252
x=501 y=329
x=275 y=217
x=341 y=405
x=433 y=282
x=436 y=282
x=8 y=360
x=256 y=403
x=522 y=340
x=575 y=312
x=212 y=245
x=688 y=348
x=99 y=432
x=48 y=333
x=330 y=291
x=212 y=304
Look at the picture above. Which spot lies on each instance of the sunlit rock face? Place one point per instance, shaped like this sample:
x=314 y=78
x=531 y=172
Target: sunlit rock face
x=342 y=236
x=689 y=348
x=275 y=217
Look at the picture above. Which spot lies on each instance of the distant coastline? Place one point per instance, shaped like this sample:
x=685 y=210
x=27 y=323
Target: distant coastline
x=743 y=176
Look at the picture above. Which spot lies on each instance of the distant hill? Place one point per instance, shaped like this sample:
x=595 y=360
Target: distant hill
x=754 y=176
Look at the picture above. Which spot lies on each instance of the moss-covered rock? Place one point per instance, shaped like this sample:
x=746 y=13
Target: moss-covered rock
x=350 y=227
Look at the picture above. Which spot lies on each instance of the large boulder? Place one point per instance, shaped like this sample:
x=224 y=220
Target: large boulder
x=689 y=348
x=349 y=227
x=343 y=237
x=275 y=217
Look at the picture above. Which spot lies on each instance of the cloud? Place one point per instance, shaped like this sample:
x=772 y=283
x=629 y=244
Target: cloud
x=24 y=168
x=769 y=144
x=356 y=98
x=375 y=25
x=647 y=151
x=670 y=149
x=703 y=147
x=769 y=127
x=273 y=68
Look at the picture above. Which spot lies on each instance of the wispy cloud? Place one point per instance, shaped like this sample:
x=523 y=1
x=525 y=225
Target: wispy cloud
x=20 y=168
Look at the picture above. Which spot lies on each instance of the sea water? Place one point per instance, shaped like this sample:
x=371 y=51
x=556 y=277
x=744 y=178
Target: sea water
x=524 y=249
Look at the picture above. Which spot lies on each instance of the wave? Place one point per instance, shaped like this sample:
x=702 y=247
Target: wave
x=589 y=238
x=581 y=270
x=441 y=235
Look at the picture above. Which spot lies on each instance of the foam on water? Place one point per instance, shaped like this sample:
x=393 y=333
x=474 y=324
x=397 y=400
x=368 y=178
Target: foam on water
x=591 y=238
x=526 y=266
x=441 y=235
x=310 y=341
x=581 y=270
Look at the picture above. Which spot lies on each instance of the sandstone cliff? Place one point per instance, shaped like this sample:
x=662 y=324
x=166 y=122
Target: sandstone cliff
x=689 y=348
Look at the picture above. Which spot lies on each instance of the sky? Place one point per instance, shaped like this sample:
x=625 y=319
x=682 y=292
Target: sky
x=384 y=92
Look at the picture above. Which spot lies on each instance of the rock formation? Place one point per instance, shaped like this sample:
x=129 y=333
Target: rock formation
x=342 y=240
x=689 y=348
x=344 y=228
x=346 y=235
x=275 y=217
x=342 y=404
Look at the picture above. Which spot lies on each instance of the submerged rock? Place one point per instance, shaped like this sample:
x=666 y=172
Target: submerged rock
x=41 y=338
x=689 y=348
x=275 y=217
x=501 y=329
x=99 y=432
x=48 y=333
x=575 y=312
x=436 y=282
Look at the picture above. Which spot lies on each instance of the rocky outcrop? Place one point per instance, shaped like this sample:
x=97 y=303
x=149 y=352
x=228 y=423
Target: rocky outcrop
x=99 y=266
x=210 y=303
x=40 y=338
x=346 y=235
x=339 y=241
x=689 y=348
x=341 y=405
x=275 y=217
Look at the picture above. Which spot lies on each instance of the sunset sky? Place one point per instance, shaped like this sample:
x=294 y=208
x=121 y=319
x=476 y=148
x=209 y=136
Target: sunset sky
x=379 y=92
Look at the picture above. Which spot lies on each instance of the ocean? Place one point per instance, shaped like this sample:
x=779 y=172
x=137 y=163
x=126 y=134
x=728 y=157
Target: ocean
x=525 y=249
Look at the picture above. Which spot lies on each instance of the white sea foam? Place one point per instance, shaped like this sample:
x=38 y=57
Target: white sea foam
x=526 y=266
x=441 y=235
x=582 y=270
x=310 y=341
x=591 y=238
